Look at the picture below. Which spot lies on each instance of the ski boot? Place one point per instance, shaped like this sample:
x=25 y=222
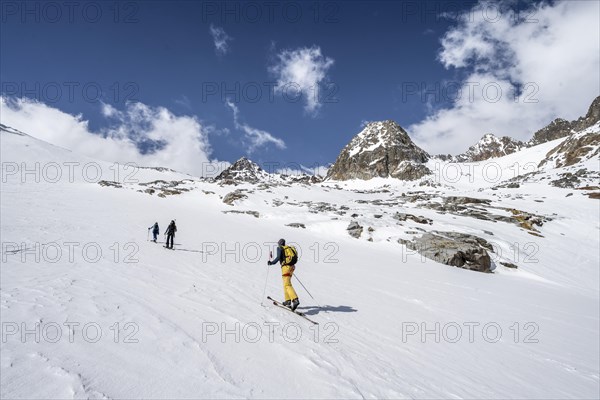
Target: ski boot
x=287 y=303
x=295 y=304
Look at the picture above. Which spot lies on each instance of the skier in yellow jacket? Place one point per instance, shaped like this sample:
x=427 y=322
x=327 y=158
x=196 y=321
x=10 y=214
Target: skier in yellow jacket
x=287 y=256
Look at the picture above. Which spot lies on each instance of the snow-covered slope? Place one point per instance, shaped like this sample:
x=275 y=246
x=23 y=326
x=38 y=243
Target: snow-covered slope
x=193 y=323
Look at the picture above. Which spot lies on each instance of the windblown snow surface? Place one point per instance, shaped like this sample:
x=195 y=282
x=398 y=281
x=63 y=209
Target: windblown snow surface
x=91 y=309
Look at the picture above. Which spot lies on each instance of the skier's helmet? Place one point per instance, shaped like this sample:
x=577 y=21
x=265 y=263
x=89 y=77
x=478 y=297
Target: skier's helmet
x=281 y=242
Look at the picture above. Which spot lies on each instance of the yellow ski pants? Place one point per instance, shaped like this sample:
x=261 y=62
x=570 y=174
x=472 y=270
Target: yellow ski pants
x=288 y=290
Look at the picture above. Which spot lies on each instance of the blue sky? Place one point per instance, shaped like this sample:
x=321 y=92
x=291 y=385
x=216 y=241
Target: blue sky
x=227 y=68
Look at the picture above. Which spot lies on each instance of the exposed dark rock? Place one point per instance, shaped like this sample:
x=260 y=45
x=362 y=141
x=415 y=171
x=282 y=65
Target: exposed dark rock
x=568 y=179
x=560 y=128
x=557 y=129
x=455 y=249
x=255 y=214
x=410 y=171
x=490 y=146
x=354 y=229
x=304 y=178
x=231 y=197
x=110 y=184
x=381 y=149
x=164 y=188
x=418 y=219
x=576 y=148
x=296 y=225
x=243 y=170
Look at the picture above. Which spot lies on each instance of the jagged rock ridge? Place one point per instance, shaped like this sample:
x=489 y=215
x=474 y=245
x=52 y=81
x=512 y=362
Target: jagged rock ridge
x=560 y=128
x=490 y=146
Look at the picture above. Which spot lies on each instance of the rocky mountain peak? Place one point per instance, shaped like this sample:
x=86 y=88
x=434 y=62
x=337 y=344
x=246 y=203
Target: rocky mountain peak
x=380 y=133
x=490 y=146
x=381 y=149
x=243 y=170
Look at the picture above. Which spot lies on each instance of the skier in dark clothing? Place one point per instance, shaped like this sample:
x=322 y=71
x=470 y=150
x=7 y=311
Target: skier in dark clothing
x=155 y=231
x=170 y=234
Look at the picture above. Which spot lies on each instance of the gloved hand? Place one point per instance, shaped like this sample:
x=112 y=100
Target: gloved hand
x=269 y=262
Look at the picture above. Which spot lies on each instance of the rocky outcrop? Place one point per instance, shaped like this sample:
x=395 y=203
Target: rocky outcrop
x=557 y=129
x=255 y=214
x=591 y=118
x=490 y=146
x=381 y=149
x=164 y=188
x=570 y=180
x=354 y=229
x=578 y=147
x=410 y=171
x=296 y=225
x=560 y=128
x=455 y=249
x=232 y=197
x=304 y=178
x=110 y=184
x=418 y=219
x=243 y=170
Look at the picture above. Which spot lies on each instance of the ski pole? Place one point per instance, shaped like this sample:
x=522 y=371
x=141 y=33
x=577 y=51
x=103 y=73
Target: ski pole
x=266 y=280
x=295 y=276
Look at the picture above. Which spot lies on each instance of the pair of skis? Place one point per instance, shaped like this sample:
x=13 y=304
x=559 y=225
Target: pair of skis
x=298 y=313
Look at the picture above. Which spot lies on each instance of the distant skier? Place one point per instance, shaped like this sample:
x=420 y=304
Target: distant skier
x=155 y=231
x=171 y=229
x=287 y=256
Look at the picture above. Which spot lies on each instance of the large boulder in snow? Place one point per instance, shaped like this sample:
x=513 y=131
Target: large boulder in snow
x=354 y=229
x=381 y=149
x=232 y=197
x=455 y=249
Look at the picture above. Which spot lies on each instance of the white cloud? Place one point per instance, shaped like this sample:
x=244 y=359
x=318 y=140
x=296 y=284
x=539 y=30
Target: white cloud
x=302 y=71
x=108 y=110
x=183 y=140
x=551 y=53
x=184 y=102
x=256 y=137
x=220 y=38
